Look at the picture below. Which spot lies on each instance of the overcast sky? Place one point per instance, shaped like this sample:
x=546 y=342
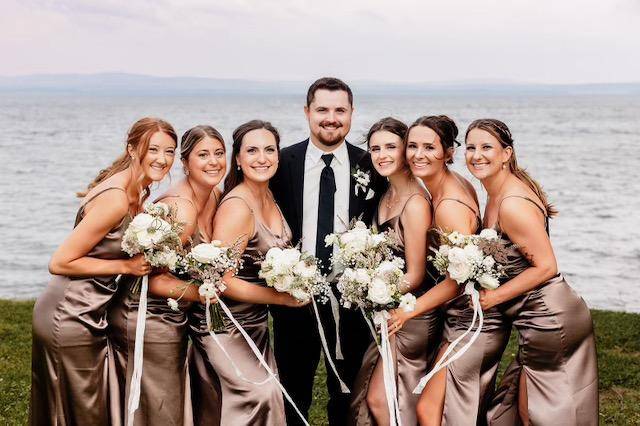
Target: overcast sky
x=563 y=41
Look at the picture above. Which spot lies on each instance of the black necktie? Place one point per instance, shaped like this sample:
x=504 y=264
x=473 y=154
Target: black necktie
x=325 y=213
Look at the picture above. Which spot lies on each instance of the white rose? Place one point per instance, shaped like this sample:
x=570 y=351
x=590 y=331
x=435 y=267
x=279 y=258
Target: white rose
x=144 y=239
x=361 y=276
x=377 y=239
x=388 y=269
x=473 y=253
x=459 y=271
x=141 y=222
x=488 y=262
x=206 y=252
x=379 y=292
x=489 y=234
x=284 y=284
x=272 y=255
x=290 y=257
x=407 y=302
x=489 y=282
x=173 y=304
x=305 y=271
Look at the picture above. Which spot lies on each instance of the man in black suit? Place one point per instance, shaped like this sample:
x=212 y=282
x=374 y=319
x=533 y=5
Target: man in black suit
x=318 y=195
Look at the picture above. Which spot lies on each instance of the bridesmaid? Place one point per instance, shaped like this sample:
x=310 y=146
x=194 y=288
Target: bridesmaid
x=249 y=216
x=69 y=356
x=459 y=393
x=162 y=396
x=405 y=209
x=554 y=378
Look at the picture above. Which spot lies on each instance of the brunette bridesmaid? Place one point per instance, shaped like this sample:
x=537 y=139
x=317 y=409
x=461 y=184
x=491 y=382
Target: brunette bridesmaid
x=247 y=215
x=458 y=394
x=69 y=357
x=554 y=378
x=405 y=209
x=194 y=198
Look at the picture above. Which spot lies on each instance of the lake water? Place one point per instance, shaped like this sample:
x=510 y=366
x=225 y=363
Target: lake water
x=585 y=150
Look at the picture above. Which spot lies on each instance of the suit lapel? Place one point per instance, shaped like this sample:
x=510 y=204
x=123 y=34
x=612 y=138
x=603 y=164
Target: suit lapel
x=355 y=155
x=296 y=178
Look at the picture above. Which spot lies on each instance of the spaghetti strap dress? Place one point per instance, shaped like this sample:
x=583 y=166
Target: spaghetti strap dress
x=413 y=347
x=69 y=356
x=241 y=402
x=556 y=352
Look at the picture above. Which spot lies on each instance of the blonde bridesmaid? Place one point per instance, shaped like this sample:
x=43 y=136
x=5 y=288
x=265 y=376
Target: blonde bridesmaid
x=554 y=377
x=69 y=357
x=458 y=394
x=247 y=215
x=163 y=385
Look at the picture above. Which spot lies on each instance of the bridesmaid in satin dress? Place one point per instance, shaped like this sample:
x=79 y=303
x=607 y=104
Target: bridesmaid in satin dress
x=404 y=208
x=249 y=216
x=554 y=378
x=69 y=357
x=162 y=396
x=460 y=393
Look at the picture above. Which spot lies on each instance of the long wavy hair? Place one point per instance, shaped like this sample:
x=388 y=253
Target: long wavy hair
x=138 y=138
x=235 y=176
x=501 y=132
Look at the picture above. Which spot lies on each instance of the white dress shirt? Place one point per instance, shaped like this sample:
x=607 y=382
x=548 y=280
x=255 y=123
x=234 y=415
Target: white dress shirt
x=313 y=166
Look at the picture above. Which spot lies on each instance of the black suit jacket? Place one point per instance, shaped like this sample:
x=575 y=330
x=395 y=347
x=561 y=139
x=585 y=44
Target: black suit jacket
x=288 y=185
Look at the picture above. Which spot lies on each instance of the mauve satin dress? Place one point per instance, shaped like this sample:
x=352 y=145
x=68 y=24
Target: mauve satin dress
x=471 y=379
x=557 y=353
x=69 y=356
x=163 y=392
x=242 y=403
x=414 y=348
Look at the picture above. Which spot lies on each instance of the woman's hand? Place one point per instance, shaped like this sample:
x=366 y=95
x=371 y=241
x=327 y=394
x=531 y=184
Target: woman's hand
x=397 y=320
x=137 y=266
x=292 y=302
x=489 y=299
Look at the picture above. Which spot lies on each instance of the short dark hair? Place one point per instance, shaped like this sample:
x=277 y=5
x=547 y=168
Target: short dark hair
x=331 y=84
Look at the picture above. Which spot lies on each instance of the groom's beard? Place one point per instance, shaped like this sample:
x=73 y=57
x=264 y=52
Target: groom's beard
x=333 y=135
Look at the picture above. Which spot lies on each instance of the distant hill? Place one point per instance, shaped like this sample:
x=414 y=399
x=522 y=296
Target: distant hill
x=134 y=84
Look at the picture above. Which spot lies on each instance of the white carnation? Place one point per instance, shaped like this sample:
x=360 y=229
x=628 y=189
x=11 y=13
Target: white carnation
x=305 y=271
x=489 y=233
x=284 y=284
x=407 y=302
x=141 y=222
x=473 y=253
x=488 y=262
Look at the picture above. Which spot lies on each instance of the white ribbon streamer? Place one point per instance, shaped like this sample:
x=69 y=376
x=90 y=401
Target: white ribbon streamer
x=388 y=373
x=443 y=362
x=136 y=377
x=224 y=350
x=335 y=310
x=325 y=347
x=258 y=355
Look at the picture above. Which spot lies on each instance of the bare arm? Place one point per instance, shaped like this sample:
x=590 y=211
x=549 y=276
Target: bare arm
x=233 y=223
x=166 y=284
x=524 y=224
x=105 y=212
x=450 y=216
x=416 y=219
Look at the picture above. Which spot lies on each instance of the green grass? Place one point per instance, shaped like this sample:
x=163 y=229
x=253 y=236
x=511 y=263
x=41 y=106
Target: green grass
x=618 y=336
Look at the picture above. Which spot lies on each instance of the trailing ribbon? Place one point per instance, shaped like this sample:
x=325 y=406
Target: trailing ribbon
x=325 y=348
x=136 y=377
x=477 y=313
x=388 y=372
x=335 y=310
x=257 y=353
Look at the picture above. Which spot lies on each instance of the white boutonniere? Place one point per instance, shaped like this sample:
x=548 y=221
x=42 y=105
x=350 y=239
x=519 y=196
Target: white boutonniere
x=362 y=179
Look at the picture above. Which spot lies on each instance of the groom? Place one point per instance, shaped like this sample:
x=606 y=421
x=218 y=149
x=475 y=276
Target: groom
x=318 y=194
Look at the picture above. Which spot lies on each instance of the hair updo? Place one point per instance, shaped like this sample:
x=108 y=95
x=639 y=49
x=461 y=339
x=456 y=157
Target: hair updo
x=444 y=127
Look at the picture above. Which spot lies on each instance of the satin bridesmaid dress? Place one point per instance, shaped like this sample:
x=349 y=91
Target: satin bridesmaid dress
x=557 y=352
x=242 y=403
x=69 y=356
x=414 y=348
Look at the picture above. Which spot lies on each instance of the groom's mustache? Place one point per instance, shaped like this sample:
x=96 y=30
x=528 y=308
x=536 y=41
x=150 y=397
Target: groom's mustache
x=331 y=123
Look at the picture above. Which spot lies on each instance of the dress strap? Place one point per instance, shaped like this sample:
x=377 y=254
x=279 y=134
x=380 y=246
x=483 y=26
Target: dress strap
x=177 y=196
x=100 y=192
x=475 y=213
x=542 y=210
x=239 y=198
x=413 y=195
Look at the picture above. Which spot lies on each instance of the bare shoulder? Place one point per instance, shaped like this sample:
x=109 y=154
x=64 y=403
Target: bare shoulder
x=519 y=213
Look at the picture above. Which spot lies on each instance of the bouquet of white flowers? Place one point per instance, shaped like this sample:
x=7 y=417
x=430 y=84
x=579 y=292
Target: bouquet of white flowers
x=206 y=264
x=361 y=247
x=290 y=271
x=471 y=259
x=475 y=262
x=156 y=234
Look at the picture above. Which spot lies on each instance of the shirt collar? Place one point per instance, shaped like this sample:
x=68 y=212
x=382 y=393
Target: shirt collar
x=314 y=154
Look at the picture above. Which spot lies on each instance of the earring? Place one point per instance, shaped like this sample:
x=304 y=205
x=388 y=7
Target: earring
x=186 y=172
x=504 y=165
x=239 y=167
